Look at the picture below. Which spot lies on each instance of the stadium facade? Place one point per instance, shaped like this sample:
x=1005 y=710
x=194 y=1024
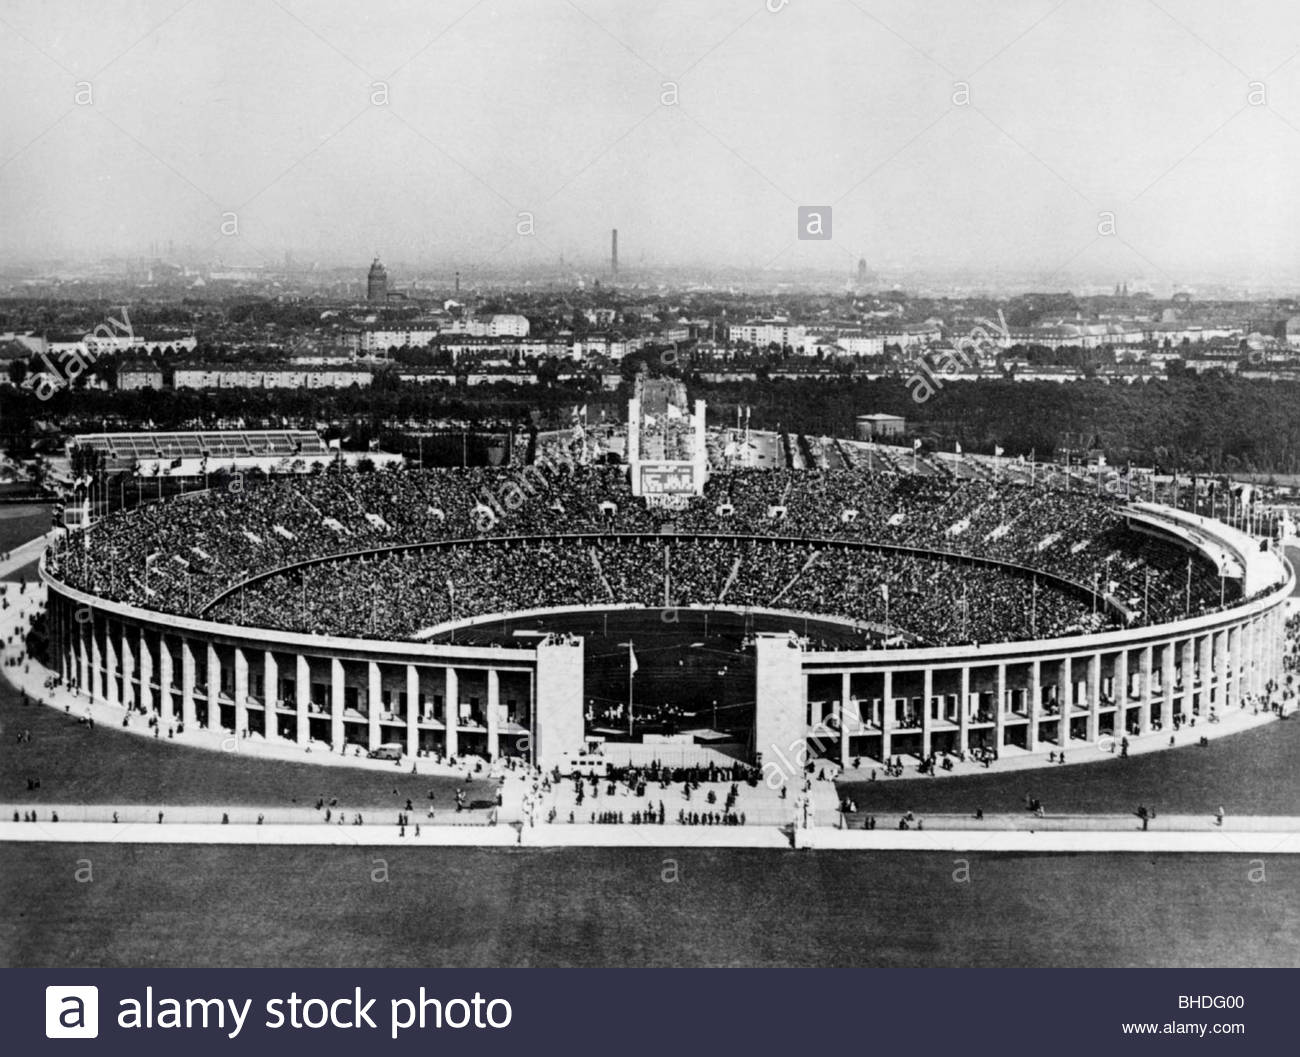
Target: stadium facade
x=351 y=694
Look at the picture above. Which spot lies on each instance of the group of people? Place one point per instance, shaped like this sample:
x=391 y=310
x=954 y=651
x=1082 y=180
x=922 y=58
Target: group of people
x=775 y=538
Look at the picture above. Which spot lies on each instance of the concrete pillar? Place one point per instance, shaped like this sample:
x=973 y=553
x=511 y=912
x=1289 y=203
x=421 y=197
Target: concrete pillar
x=1000 y=709
x=1243 y=657
x=451 y=711
x=112 y=666
x=1237 y=661
x=1147 y=689
x=1065 y=701
x=844 y=719
x=927 y=708
x=241 y=692
x=374 y=701
x=127 y=662
x=302 y=698
x=1256 y=665
x=1220 y=660
x=1228 y=670
x=189 y=676
x=166 y=678
x=1188 y=654
x=145 y=666
x=1206 y=672
x=886 y=714
x=1035 y=703
x=336 y=705
x=270 y=695
x=83 y=653
x=97 y=682
x=1119 y=678
x=214 y=688
x=412 y=710
x=963 y=710
x=1166 y=687
x=493 y=719
x=1257 y=635
x=1094 y=698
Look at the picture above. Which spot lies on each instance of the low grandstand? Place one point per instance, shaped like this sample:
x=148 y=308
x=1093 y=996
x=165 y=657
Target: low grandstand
x=127 y=450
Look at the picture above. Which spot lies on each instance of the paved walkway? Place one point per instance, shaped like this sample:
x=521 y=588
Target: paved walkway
x=1268 y=839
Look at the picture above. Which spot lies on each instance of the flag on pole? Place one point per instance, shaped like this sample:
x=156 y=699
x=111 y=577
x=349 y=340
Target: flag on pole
x=997 y=451
x=957 y=445
x=632 y=666
x=916 y=445
x=884 y=592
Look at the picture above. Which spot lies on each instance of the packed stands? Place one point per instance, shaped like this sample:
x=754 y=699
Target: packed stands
x=779 y=540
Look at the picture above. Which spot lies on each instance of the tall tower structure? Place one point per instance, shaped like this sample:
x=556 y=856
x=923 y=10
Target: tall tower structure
x=613 y=253
x=377 y=282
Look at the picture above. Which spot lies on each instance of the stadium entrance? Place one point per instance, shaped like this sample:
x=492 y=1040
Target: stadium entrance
x=691 y=673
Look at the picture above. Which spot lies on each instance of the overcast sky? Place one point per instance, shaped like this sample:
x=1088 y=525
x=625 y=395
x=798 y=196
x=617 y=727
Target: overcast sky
x=423 y=129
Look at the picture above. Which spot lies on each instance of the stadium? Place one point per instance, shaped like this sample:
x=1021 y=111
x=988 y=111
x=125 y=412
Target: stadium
x=655 y=595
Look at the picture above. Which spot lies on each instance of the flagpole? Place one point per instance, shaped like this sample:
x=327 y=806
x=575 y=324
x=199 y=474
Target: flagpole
x=629 y=689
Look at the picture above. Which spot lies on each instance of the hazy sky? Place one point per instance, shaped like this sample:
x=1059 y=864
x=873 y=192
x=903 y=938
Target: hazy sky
x=423 y=130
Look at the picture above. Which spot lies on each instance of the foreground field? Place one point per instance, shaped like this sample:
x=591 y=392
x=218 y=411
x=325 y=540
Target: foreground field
x=76 y=765
x=282 y=906
x=1252 y=773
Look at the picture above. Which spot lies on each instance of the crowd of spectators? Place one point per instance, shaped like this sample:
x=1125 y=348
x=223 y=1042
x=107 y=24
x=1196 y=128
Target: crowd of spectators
x=780 y=540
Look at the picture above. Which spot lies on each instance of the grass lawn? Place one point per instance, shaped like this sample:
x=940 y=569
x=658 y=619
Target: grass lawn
x=21 y=522
x=1252 y=773
x=175 y=905
x=108 y=766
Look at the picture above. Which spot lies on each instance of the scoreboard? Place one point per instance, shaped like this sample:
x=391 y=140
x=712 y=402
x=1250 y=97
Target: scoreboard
x=676 y=478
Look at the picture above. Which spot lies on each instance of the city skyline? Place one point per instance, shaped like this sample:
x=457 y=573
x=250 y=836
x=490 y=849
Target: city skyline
x=1019 y=144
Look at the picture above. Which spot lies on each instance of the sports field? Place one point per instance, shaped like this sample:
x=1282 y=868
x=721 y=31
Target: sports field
x=19 y=523
x=248 y=906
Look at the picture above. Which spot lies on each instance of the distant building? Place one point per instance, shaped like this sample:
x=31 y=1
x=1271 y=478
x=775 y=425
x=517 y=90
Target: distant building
x=140 y=376
x=377 y=283
x=381 y=339
x=872 y=427
x=268 y=378
x=765 y=332
x=862 y=344
x=501 y=325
